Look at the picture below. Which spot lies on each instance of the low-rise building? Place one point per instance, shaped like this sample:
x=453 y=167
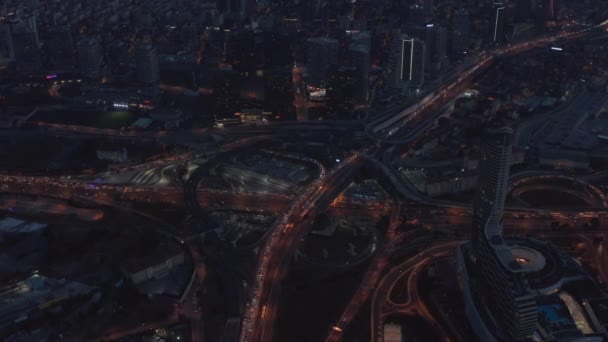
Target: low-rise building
x=116 y=155
x=392 y=333
x=564 y=159
x=253 y=116
x=28 y=299
x=153 y=267
x=450 y=184
x=122 y=98
x=170 y=118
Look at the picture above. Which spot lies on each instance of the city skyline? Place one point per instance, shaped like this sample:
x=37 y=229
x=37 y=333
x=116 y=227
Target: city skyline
x=284 y=170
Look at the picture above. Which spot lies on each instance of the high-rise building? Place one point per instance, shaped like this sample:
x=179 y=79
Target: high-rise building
x=360 y=59
x=408 y=58
x=321 y=53
x=429 y=7
x=417 y=15
x=546 y=10
x=26 y=44
x=435 y=41
x=503 y=286
x=246 y=7
x=278 y=91
x=7 y=54
x=90 y=57
x=60 y=48
x=142 y=17
x=299 y=93
x=240 y=51
x=497 y=22
x=226 y=93
x=276 y=50
x=118 y=58
x=522 y=10
x=495 y=161
x=229 y=5
x=27 y=52
x=360 y=56
x=505 y=280
x=461 y=34
x=147 y=64
x=361 y=39
x=340 y=89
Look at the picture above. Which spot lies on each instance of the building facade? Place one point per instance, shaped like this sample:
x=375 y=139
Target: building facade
x=407 y=63
x=503 y=287
x=90 y=58
x=321 y=53
x=147 y=64
x=497 y=22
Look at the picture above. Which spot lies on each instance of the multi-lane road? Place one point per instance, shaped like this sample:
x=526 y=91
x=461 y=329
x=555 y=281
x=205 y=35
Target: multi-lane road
x=276 y=253
x=416 y=117
x=370 y=278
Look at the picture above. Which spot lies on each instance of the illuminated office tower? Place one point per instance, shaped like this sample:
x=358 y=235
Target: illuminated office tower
x=497 y=22
x=407 y=62
x=435 y=42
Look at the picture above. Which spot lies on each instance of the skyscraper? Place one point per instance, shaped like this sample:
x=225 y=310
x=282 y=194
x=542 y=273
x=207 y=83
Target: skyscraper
x=228 y=5
x=321 y=53
x=60 y=48
x=435 y=42
x=407 y=62
x=340 y=89
x=299 y=98
x=361 y=39
x=360 y=59
x=418 y=15
x=360 y=48
x=522 y=10
x=26 y=44
x=7 y=53
x=497 y=22
x=429 y=8
x=147 y=64
x=503 y=287
x=461 y=35
x=494 y=173
x=90 y=57
x=546 y=10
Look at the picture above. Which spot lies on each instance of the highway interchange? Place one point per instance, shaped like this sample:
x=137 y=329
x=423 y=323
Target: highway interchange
x=299 y=212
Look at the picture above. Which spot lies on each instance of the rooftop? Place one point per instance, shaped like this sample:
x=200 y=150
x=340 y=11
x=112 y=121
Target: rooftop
x=13 y=225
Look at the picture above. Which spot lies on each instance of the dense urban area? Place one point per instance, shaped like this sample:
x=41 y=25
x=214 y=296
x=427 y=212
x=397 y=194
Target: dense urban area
x=304 y=170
